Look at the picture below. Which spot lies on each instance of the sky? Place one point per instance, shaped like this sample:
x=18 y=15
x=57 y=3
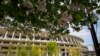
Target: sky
x=86 y=35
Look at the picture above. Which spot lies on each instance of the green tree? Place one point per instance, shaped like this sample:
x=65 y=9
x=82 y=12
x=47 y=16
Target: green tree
x=21 y=50
x=18 y=51
x=74 y=52
x=52 y=15
x=28 y=48
x=52 y=49
x=77 y=52
x=9 y=50
x=35 y=51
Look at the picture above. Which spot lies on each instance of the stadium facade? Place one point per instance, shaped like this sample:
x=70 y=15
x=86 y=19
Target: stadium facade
x=65 y=42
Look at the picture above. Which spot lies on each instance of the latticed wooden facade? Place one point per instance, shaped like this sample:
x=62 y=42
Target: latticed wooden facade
x=67 y=44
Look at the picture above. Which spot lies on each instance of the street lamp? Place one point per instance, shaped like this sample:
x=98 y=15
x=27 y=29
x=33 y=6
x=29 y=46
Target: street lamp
x=95 y=40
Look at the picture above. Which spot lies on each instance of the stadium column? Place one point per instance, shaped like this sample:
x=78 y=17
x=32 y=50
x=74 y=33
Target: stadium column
x=6 y=34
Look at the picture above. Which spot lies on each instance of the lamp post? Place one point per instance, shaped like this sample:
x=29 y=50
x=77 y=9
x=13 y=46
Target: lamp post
x=95 y=40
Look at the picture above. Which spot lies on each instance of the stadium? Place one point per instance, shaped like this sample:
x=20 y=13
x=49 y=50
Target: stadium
x=66 y=43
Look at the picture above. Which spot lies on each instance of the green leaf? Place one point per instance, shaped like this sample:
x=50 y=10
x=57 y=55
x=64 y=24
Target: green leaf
x=98 y=11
